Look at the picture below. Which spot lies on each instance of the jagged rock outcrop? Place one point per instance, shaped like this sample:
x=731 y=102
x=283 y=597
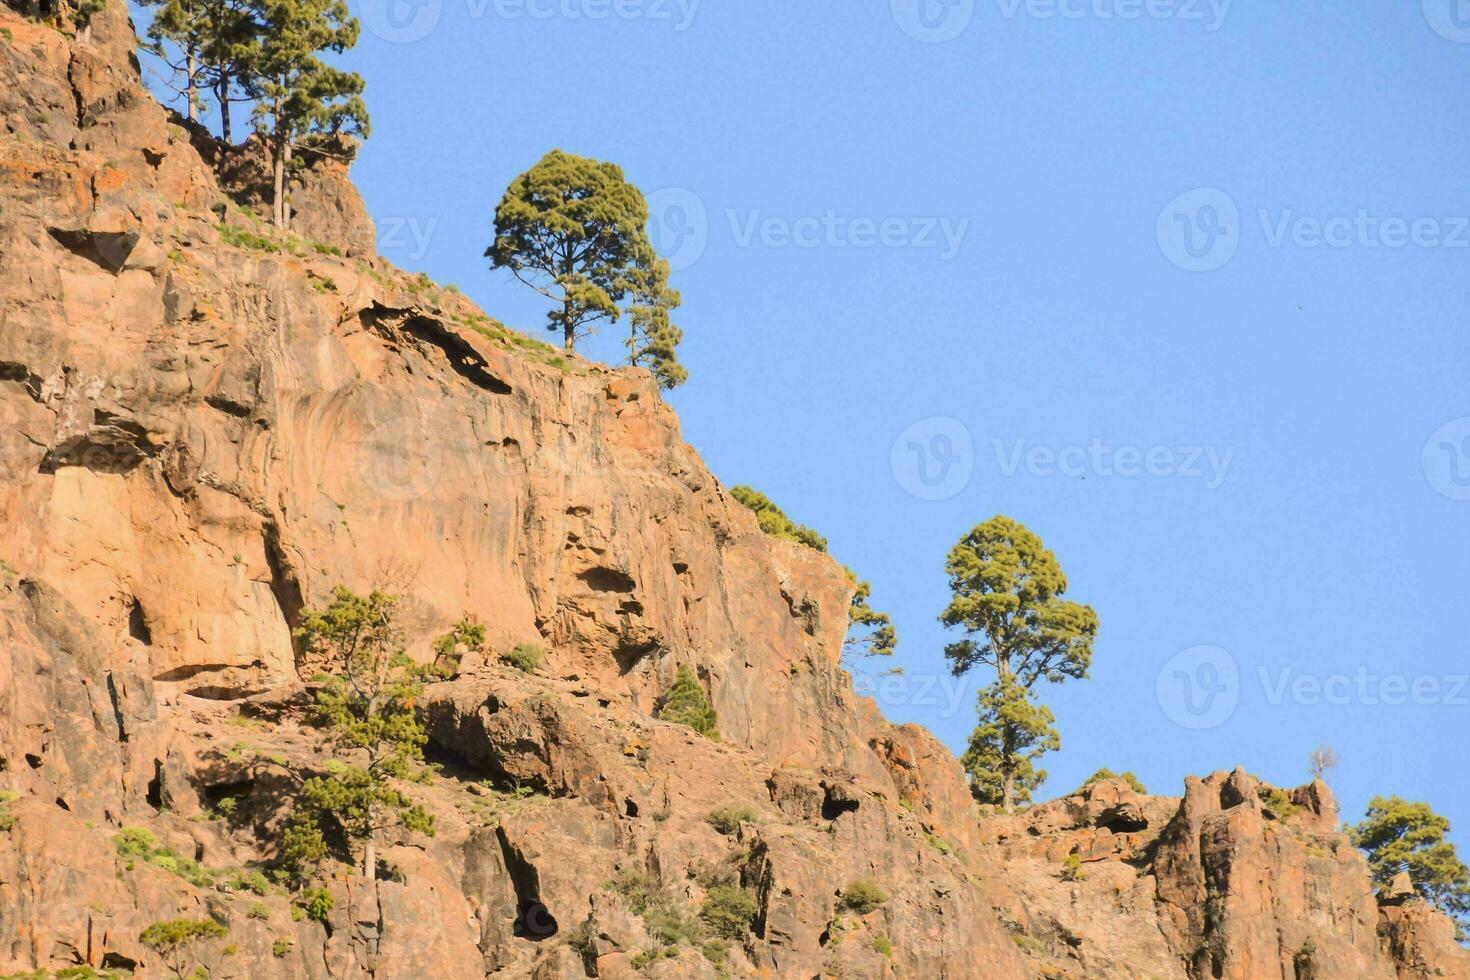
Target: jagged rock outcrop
x=205 y=426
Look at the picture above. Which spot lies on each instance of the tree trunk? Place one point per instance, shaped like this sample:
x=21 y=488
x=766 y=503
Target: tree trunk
x=279 y=157
x=189 y=85
x=222 y=92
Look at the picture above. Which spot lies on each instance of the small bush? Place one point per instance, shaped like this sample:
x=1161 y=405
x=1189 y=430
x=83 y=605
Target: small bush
x=728 y=910
x=316 y=904
x=686 y=704
x=940 y=844
x=139 y=843
x=525 y=657
x=174 y=940
x=727 y=819
x=861 y=896
x=241 y=238
x=281 y=948
x=883 y=946
x=259 y=910
x=1128 y=777
x=1275 y=801
x=1072 y=868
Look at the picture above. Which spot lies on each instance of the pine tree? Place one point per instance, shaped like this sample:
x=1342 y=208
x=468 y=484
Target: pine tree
x=1012 y=732
x=574 y=230
x=300 y=98
x=1399 y=835
x=175 y=942
x=364 y=706
x=686 y=704
x=1006 y=597
x=216 y=40
x=870 y=632
x=653 y=338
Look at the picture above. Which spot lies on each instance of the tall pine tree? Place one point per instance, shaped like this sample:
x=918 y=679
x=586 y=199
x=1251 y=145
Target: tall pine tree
x=299 y=97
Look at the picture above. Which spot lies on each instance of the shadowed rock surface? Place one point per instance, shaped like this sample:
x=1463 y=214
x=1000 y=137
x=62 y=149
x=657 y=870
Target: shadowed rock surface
x=204 y=427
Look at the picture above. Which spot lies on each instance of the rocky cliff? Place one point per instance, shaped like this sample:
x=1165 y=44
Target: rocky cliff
x=206 y=426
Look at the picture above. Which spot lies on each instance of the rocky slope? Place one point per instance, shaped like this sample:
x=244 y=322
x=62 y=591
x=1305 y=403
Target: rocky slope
x=204 y=427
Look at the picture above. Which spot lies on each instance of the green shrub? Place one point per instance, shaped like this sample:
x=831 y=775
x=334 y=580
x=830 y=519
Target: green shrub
x=883 y=945
x=259 y=910
x=1072 y=868
x=861 y=896
x=525 y=657
x=241 y=238
x=175 y=940
x=940 y=844
x=686 y=704
x=7 y=819
x=775 y=522
x=728 y=910
x=466 y=632
x=139 y=843
x=281 y=948
x=727 y=819
x=1276 y=801
x=1127 y=777
x=316 y=904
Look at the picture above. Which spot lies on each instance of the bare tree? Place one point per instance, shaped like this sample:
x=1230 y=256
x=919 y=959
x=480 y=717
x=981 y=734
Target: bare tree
x=1323 y=758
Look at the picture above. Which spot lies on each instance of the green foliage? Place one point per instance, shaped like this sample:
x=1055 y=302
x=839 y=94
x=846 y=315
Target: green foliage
x=870 y=632
x=1006 y=590
x=138 y=843
x=300 y=99
x=281 y=948
x=1011 y=733
x=940 y=844
x=1128 y=777
x=574 y=230
x=1276 y=801
x=365 y=707
x=7 y=819
x=1007 y=587
x=728 y=911
x=243 y=238
x=1400 y=835
x=774 y=521
x=250 y=881
x=175 y=941
x=216 y=44
x=316 y=904
x=883 y=946
x=686 y=704
x=727 y=819
x=467 y=633
x=258 y=910
x=1072 y=868
x=525 y=657
x=861 y=897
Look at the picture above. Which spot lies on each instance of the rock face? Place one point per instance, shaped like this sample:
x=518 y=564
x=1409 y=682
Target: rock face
x=205 y=427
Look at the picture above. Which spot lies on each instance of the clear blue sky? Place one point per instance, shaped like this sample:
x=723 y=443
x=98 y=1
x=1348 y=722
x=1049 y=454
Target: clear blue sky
x=1065 y=318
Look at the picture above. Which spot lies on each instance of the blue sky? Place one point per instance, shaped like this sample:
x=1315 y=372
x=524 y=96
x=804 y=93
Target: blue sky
x=1177 y=234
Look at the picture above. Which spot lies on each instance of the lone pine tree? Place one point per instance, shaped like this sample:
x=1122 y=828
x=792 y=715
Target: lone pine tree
x=1006 y=596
